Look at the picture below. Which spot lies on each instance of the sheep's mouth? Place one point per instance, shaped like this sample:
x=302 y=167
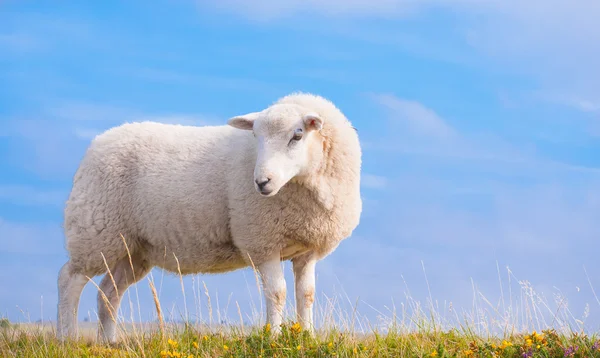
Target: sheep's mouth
x=266 y=192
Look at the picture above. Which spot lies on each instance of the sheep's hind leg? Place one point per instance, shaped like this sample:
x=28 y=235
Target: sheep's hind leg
x=70 y=285
x=110 y=294
x=274 y=291
x=304 y=277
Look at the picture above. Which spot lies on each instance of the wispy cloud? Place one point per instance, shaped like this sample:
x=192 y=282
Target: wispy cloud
x=37 y=31
x=580 y=103
x=373 y=181
x=264 y=10
x=555 y=42
x=418 y=118
x=199 y=79
x=414 y=129
x=52 y=144
x=31 y=196
x=84 y=111
x=18 y=42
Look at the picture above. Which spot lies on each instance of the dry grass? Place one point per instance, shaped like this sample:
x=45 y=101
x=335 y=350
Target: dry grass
x=523 y=324
x=186 y=341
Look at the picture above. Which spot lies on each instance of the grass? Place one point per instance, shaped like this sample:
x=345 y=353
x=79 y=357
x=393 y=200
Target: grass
x=295 y=342
x=524 y=324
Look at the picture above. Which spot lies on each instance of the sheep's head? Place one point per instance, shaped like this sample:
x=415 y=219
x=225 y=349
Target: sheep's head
x=288 y=144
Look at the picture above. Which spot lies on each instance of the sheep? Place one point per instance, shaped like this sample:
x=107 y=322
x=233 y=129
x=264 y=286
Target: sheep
x=279 y=184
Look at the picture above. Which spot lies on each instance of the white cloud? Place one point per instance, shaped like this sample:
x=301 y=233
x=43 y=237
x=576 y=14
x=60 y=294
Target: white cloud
x=580 y=103
x=418 y=118
x=373 y=181
x=269 y=9
x=414 y=129
x=556 y=42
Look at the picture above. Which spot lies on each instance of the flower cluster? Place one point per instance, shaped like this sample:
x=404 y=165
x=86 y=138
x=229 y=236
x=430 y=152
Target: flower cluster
x=296 y=328
x=175 y=352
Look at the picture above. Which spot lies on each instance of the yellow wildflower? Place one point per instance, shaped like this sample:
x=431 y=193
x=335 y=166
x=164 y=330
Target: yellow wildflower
x=330 y=344
x=205 y=338
x=195 y=344
x=268 y=328
x=225 y=347
x=538 y=346
x=434 y=354
x=468 y=352
x=176 y=354
x=164 y=354
x=528 y=342
x=172 y=343
x=296 y=327
x=299 y=347
x=355 y=350
x=190 y=356
x=505 y=344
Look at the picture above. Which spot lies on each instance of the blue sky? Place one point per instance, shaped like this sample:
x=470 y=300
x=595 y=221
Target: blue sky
x=479 y=121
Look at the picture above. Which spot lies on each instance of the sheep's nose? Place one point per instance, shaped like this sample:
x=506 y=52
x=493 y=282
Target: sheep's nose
x=262 y=182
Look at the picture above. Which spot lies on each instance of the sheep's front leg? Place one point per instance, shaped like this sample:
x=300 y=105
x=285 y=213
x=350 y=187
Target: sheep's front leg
x=274 y=291
x=304 y=277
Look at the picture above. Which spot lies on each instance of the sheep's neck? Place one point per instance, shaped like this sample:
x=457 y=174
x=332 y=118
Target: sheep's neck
x=337 y=176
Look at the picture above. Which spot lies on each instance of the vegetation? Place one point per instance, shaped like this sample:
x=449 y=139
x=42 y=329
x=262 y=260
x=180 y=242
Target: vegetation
x=523 y=324
x=4 y=323
x=296 y=342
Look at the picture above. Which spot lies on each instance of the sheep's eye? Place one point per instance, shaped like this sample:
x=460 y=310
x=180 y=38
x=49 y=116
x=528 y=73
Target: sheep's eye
x=297 y=134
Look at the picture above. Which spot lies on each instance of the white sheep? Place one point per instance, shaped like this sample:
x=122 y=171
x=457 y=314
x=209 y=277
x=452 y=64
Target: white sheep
x=212 y=199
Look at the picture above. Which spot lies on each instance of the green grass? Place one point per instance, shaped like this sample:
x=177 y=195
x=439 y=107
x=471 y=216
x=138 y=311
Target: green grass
x=296 y=342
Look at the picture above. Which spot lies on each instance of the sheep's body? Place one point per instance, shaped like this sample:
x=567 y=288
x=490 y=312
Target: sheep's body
x=144 y=181
x=183 y=198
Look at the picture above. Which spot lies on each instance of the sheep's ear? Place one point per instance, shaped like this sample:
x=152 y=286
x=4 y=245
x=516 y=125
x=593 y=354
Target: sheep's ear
x=312 y=121
x=244 y=122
